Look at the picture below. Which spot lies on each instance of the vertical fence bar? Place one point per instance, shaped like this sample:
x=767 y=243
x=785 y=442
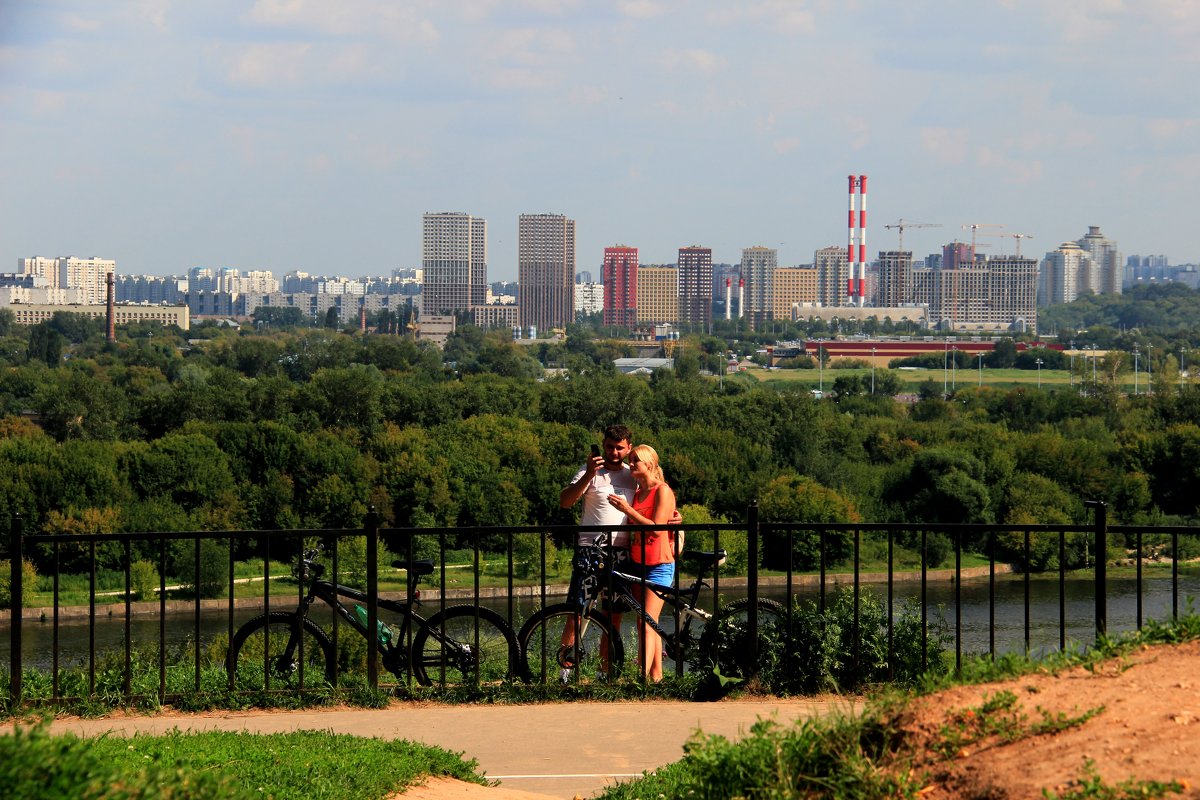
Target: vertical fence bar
x=1138 y=582
x=924 y=601
x=958 y=603
x=372 y=533
x=229 y=614
x=1062 y=591
x=992 y=594
x=336 y=618
x=1100 y=509
x=54 y=636
x=127 y=681
x=16 y=551
x=752 y=532
x=300 y=659
x=1026 y=589
x=162 y=619
x=1175 y=575
x=511 y=588
x=821 y=558
x=891 y=604
x=92 y=619
x=267 y=614
x=196 y=613
x=857 y=602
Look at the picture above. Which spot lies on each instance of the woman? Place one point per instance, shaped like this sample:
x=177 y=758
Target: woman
x=652 y=552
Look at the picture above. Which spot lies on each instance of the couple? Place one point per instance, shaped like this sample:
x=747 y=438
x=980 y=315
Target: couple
x=615 y=493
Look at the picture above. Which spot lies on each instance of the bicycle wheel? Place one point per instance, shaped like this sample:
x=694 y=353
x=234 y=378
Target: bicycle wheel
x=266 y=653
x=545 y=659
x=726 y=640
x=464 y=644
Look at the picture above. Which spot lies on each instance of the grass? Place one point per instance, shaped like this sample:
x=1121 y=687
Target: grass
x=304 y=764
x=866 y=757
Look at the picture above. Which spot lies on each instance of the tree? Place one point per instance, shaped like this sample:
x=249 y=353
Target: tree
x=798 y=499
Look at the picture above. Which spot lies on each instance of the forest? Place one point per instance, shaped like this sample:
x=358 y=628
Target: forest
x=221 y=429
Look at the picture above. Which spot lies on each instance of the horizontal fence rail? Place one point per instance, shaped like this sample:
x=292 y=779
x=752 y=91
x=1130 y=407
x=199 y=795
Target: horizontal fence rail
x=92 y=638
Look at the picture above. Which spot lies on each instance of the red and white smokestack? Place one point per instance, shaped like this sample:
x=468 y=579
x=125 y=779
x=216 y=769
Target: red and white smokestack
x=110 y=312
x=851 y=220
x=728 y=298
x=362 y=316
x=862 y=241
x=741 y=298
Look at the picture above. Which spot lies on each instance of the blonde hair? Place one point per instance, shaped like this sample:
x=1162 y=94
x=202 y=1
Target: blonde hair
x=647 y=455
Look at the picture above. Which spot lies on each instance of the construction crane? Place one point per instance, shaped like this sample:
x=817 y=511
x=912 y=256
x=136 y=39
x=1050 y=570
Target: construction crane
x=1017 y=236
x=902 y=224
x=975 y=226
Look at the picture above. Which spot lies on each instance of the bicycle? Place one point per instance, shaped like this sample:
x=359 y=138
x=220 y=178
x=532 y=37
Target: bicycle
x=722 y=643
x=458 y=644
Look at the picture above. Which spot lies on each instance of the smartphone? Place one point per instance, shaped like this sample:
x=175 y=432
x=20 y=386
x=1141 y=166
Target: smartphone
x=595 y=451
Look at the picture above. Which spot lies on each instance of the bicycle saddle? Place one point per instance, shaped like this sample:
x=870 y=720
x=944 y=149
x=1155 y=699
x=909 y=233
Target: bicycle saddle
x=422 y=567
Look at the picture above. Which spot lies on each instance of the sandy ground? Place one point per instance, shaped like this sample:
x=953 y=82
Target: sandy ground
x=1146 y=727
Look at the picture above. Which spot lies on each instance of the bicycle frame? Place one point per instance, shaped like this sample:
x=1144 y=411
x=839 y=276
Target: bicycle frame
x=681 y=600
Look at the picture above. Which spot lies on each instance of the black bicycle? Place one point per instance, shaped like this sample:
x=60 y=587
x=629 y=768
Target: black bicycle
x=549 y=653
x=289 y=650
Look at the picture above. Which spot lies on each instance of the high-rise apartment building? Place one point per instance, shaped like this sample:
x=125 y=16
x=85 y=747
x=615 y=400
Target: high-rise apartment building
x=792 y=286
x=40 y=267
x=454 y=261
x=833 y=272
x=758 y=269
x=545 y=270
x=978 y=294
x=89 y=275
x=695 y=285
x=895 y=278
x=1065 y=273
x=620 y=272
x=657 y=294
x=1107 y=277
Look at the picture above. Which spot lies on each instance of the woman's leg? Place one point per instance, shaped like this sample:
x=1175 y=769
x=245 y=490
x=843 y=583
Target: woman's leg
x=650 y=645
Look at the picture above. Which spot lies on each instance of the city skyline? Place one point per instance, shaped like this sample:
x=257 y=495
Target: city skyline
x=308 y=136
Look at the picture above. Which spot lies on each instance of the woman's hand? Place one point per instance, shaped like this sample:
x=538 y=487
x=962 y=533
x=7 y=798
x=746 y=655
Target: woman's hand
x=619 y=502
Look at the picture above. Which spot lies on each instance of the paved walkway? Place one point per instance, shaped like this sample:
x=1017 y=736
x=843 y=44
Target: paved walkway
x=560 y=749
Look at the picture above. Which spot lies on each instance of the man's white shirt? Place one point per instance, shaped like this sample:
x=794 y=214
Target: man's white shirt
x=596 y=508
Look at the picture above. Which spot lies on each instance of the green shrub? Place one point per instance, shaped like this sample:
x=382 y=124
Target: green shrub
x=819 y=652
x=213 y=579
x=143 y=580
x=28 y=587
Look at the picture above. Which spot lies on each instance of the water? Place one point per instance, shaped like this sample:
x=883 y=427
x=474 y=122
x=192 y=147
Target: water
x=74 y=634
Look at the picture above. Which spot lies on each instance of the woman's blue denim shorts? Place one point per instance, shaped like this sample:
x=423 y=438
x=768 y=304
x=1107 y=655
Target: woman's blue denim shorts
x=662 y=574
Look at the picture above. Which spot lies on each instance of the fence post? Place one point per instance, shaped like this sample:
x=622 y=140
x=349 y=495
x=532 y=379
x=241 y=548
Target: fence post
x=1100 y=510
x=752 y=579
x=17 y=590
x=372 y=534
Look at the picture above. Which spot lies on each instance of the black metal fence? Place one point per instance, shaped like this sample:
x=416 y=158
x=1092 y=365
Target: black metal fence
x=816 y=559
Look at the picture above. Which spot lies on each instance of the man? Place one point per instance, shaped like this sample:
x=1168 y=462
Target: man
x=604 y=474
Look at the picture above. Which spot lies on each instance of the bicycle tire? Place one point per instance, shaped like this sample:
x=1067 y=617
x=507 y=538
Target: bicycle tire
x=249 y=651
x=725 y=642
x=544 y=658
x=464 y=644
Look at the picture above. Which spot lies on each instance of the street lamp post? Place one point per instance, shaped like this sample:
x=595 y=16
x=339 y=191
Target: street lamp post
x=980 y=357
x=873 y=372
x=1039 y=363
x=821 y=371
x=1149 y=369
x=1136 y=354
x=946 y=368
x=1181 y=352
x=954 y=369
x=1094 y=356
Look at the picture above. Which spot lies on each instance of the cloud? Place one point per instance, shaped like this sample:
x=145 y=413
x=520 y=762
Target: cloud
x=395 y=22
x=640 y=9
x=784 y=146
x=527 y=58
x=782 y=16
x=695 y=60
x=267 y=65
x=1012 y=170
x=946 y=145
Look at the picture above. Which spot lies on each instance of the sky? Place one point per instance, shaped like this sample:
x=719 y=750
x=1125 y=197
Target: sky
x=313 y=134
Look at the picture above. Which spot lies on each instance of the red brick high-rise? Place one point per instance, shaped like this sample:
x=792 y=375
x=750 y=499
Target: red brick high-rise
x=620 y=286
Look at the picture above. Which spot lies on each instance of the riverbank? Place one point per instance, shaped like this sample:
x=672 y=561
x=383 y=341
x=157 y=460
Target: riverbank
x=428 y=594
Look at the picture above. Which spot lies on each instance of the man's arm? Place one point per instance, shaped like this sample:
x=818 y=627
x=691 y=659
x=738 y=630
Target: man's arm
x=574 y=491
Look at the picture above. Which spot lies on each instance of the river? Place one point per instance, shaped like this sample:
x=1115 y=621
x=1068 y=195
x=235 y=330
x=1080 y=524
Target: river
x=73 y=644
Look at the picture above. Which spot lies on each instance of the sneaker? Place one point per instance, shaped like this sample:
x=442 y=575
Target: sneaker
x=565 y=676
